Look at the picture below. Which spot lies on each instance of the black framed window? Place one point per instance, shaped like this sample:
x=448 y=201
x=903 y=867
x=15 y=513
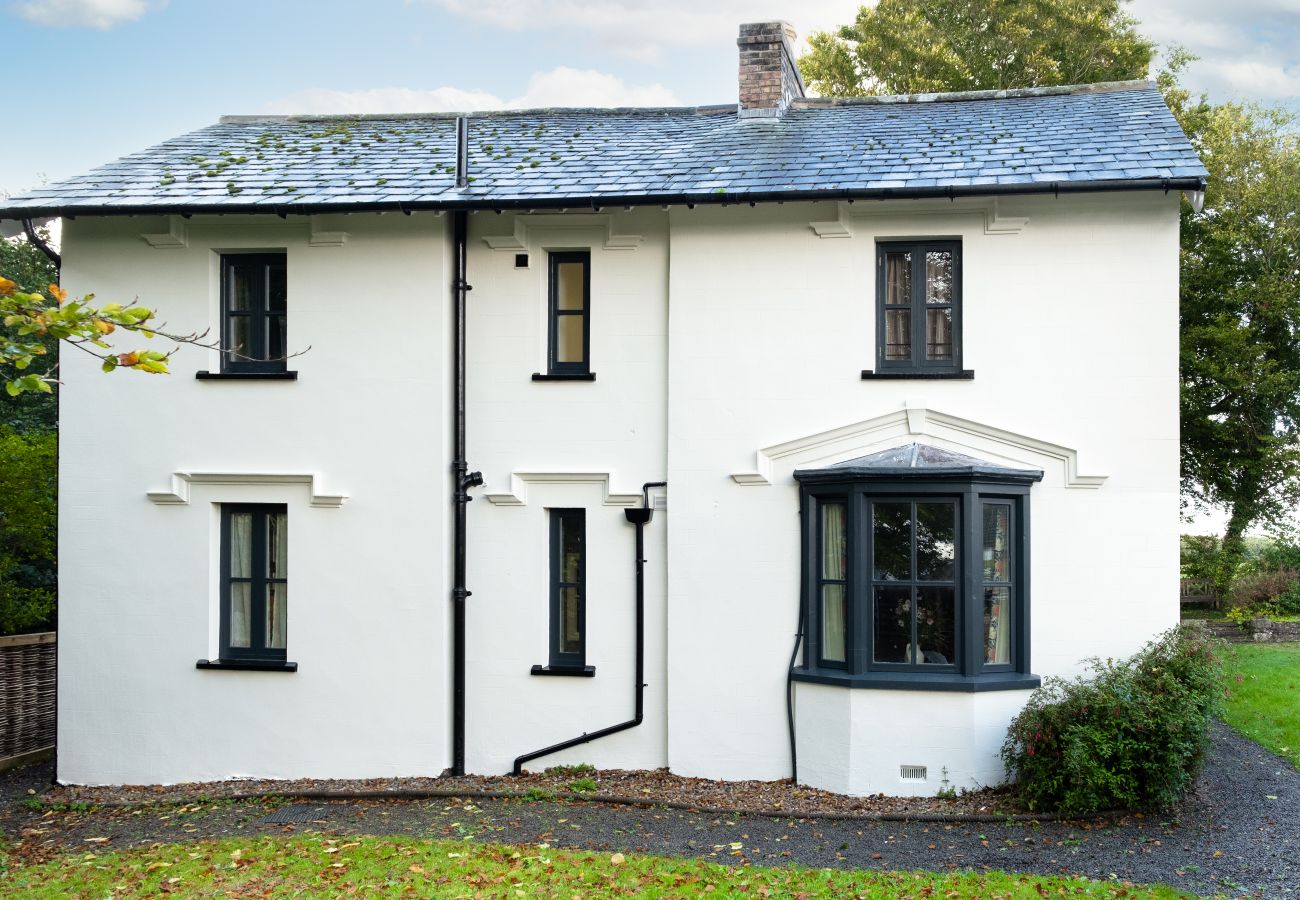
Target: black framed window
x=569 y=301
x=254 y=304
x=913 y=579
x=918 y=307
x=568 y=589
x=254 y=581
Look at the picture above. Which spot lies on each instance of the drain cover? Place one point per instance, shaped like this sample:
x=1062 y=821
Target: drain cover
x=297 y=814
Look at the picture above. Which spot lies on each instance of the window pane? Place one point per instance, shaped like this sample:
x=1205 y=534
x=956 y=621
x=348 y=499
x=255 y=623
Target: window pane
x=938 y=277
x=997 y=542
x=891 y=529
x=277 y=543
x=568 y=338
x=898 y=279
x=240 y=339
x=277 y=290
x=240 y=614
x=936 y=548
x=833 y=622
x=570 y=550
x=938 y=333
x=570 y=627
x=275 y=337
x=936 y=626
x=893 y=624
x=997 y=625
x=241 y=545
x=240 y=289
x=898 y=334
x=568 y=285
x=833 y=541
x=277 y=609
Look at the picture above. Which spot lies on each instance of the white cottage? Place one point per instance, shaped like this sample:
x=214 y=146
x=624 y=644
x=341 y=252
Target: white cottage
x=907 y=365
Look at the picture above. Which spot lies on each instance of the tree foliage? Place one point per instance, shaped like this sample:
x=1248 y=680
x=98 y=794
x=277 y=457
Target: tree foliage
x=28 y=475
x=30 y=270
x=1240 y=319
x=906 y=47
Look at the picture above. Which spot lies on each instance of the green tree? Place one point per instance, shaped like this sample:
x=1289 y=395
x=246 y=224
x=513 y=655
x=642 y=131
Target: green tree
x=1240 y=320
x=28 y=475
x=909 y=47
x=31 y=270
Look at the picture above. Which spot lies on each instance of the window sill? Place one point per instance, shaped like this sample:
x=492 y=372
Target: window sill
x=248 y=665
x=921 y=681
x=246 y=376
x=564 y=376
x=572 y=671
x=958 y=375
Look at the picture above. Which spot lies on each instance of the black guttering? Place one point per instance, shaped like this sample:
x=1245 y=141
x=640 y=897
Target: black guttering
x=471 y=203
x=462 y=479
x=638 y=517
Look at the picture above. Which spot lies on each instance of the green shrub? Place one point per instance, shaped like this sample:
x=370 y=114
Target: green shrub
x=27 y=531
x=1200 y=556
x=583 y=786
x=1260 y=589
x=569 y=771
x=1131 y=735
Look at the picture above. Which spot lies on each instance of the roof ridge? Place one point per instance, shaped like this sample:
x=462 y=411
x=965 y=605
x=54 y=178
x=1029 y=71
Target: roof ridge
x=1100 y=87
x=480 y=114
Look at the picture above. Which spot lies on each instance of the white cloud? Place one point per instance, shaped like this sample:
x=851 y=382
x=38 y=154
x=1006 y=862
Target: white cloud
x=102 y=14
x=561 y=86
x=1247 y=48
x=642 y=30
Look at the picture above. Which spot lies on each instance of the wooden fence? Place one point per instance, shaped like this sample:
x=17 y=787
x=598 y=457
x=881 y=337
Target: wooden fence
x=27 y=697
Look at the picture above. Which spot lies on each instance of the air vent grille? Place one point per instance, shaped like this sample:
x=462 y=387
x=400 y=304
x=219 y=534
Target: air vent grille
x=911 y=773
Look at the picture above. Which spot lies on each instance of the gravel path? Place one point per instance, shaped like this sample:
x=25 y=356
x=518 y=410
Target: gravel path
x=1238 y=833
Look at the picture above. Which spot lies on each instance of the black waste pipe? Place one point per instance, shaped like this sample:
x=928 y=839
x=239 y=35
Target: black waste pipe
x=789 y=692
x=462 y=478
x=639 y=518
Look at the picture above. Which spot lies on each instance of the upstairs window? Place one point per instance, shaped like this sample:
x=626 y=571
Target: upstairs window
x=569 y=340
x=254 y=294
x=254 y=582
x=918 y=307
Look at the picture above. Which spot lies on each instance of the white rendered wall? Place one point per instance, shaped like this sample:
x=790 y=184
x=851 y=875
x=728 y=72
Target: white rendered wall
x=564 y=444
x=1070 y=325
x=367 y=616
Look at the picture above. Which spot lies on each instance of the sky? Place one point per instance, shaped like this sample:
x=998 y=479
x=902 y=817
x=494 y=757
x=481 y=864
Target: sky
x=107 y=77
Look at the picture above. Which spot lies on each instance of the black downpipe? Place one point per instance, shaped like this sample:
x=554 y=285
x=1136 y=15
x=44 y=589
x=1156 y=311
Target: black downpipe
x=639 y=518
x=462 y=478
x=789 y=692
x=39 y=243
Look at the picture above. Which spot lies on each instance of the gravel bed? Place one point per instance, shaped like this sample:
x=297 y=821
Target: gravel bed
x=651 y=788
x=1238 y=833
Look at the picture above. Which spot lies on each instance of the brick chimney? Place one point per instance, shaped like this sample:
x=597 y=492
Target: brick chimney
x=769 y=79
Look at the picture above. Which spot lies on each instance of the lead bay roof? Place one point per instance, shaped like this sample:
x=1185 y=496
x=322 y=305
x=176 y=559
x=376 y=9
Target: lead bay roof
x=1090 y=137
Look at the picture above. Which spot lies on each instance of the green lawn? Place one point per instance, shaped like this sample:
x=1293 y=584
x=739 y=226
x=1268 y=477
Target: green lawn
x=1264 y=696
x=315 y=866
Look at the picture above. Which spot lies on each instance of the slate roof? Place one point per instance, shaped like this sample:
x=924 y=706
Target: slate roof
x=917 y=461
x=1092 y=137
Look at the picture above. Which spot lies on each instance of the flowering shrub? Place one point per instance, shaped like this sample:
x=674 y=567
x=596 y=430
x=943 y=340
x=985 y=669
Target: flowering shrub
x=1130 y=734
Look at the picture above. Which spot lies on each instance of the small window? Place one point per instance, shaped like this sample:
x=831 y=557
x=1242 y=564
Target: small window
x=254 y=294
x=568 y=588
x=570 y=313
x=918 y=307
x=254 y=582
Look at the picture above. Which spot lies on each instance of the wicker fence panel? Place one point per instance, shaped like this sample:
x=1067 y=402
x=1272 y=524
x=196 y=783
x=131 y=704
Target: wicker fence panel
x=27 y=691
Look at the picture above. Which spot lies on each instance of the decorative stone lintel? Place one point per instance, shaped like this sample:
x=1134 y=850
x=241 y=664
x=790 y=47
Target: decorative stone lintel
x=519 y=482
x=179 y=492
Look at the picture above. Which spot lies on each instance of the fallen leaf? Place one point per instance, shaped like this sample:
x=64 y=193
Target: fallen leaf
x=618 y=859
